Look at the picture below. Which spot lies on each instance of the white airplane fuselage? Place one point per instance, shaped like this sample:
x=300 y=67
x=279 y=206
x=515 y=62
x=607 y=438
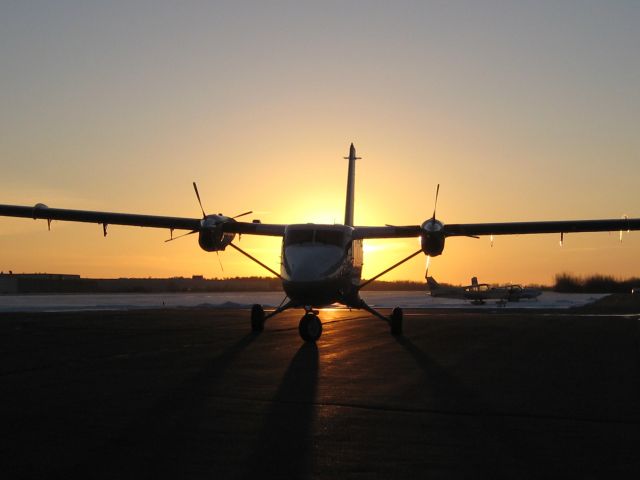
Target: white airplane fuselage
x=321 y=264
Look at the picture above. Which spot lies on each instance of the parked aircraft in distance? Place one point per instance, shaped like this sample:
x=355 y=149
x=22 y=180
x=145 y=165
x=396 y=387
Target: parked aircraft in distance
x=479 y=293
x=320 y=264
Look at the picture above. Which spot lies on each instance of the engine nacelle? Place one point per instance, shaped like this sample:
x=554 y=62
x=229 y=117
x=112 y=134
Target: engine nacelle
x=432 y=237
x=211 y=238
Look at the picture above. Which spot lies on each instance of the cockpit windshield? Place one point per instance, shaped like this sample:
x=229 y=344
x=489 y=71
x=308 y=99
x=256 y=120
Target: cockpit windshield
x=330 y=237
x=297 y=237
x=325 y=237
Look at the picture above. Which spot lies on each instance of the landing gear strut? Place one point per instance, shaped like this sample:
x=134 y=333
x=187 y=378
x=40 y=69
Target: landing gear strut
x=258 y=317
x=394 y=320
x=310 y=326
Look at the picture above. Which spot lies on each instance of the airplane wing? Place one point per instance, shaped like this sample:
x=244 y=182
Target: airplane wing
x=523 y=228
x=41 y=211
x=265 y=229
x=509 y=228
x=406 y=231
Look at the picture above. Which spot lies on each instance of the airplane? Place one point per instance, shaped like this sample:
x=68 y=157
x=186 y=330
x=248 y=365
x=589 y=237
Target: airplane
x=320 y=264
x=518 y=292
x=478 y=293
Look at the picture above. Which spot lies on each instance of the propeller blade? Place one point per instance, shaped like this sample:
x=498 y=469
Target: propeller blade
x=180 y=236
x=426 y=275
x=195 y=187
x=243 y=214
x=435 y=203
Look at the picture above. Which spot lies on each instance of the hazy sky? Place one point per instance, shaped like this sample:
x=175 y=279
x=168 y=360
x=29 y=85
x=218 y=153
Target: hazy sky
x=521 y=111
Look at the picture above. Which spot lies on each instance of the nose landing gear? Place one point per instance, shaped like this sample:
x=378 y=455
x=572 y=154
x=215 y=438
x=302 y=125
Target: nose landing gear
x=310 y=327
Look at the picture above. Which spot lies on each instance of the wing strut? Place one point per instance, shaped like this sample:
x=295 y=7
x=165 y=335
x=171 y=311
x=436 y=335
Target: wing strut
x=389 y=269
x=256 y=260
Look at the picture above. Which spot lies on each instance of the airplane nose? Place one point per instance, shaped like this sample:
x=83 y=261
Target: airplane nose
x=306 y=271
x=311 y=264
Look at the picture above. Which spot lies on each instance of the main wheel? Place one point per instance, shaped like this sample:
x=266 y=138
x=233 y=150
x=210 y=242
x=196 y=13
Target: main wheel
x=396 y=321
x=257 y=318
x=310 y=327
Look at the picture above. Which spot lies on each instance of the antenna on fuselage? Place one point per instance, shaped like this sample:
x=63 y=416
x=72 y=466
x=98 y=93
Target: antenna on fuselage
x=351 y=180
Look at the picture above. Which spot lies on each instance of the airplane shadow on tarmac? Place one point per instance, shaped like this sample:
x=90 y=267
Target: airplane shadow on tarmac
x=491 y=444
x=284 y=446
x=153 y=427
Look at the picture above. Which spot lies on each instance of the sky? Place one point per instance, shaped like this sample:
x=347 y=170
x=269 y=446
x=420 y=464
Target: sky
x=519 y=110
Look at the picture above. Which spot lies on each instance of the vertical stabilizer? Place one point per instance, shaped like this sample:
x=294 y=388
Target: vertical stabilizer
x=351 y=181
x=432 y=284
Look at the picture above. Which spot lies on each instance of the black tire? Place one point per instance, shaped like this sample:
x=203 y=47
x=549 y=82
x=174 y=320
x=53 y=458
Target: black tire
x=396 y=321
x=310 y=328
x=257 y=318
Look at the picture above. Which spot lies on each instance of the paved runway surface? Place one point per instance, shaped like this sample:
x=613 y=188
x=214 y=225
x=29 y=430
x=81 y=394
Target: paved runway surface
x=192 y=394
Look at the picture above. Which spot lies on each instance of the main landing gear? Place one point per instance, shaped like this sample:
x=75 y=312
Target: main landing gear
x=257 y=318
x=310 y=326
x=395 y=321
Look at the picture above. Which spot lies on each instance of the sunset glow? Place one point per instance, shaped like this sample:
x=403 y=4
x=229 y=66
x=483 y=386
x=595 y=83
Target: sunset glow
x=519 y=112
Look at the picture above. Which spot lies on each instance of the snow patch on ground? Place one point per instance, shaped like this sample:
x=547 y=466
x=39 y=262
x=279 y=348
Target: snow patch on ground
x=128 y=301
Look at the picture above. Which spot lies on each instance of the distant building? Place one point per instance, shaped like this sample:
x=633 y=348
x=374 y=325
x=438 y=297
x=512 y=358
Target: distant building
x=42 y=276
x=65 y=283
x=38 y=282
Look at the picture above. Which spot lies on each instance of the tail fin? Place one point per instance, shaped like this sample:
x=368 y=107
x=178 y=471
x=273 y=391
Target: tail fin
x=433 y=285
x=474 y=281
x=351 y=183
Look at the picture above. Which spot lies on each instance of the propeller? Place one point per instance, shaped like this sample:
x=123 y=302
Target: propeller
x=220 y=261
x=426 y=275
x=433 y=221
x=195 y=187
x=435 y=203
x=243 y=214
x=204 y=216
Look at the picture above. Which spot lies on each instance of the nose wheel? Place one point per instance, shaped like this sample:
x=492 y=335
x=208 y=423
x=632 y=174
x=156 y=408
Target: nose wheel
x=310 y=327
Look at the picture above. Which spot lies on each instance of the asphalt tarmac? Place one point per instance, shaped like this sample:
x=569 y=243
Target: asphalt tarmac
x=191 y=393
